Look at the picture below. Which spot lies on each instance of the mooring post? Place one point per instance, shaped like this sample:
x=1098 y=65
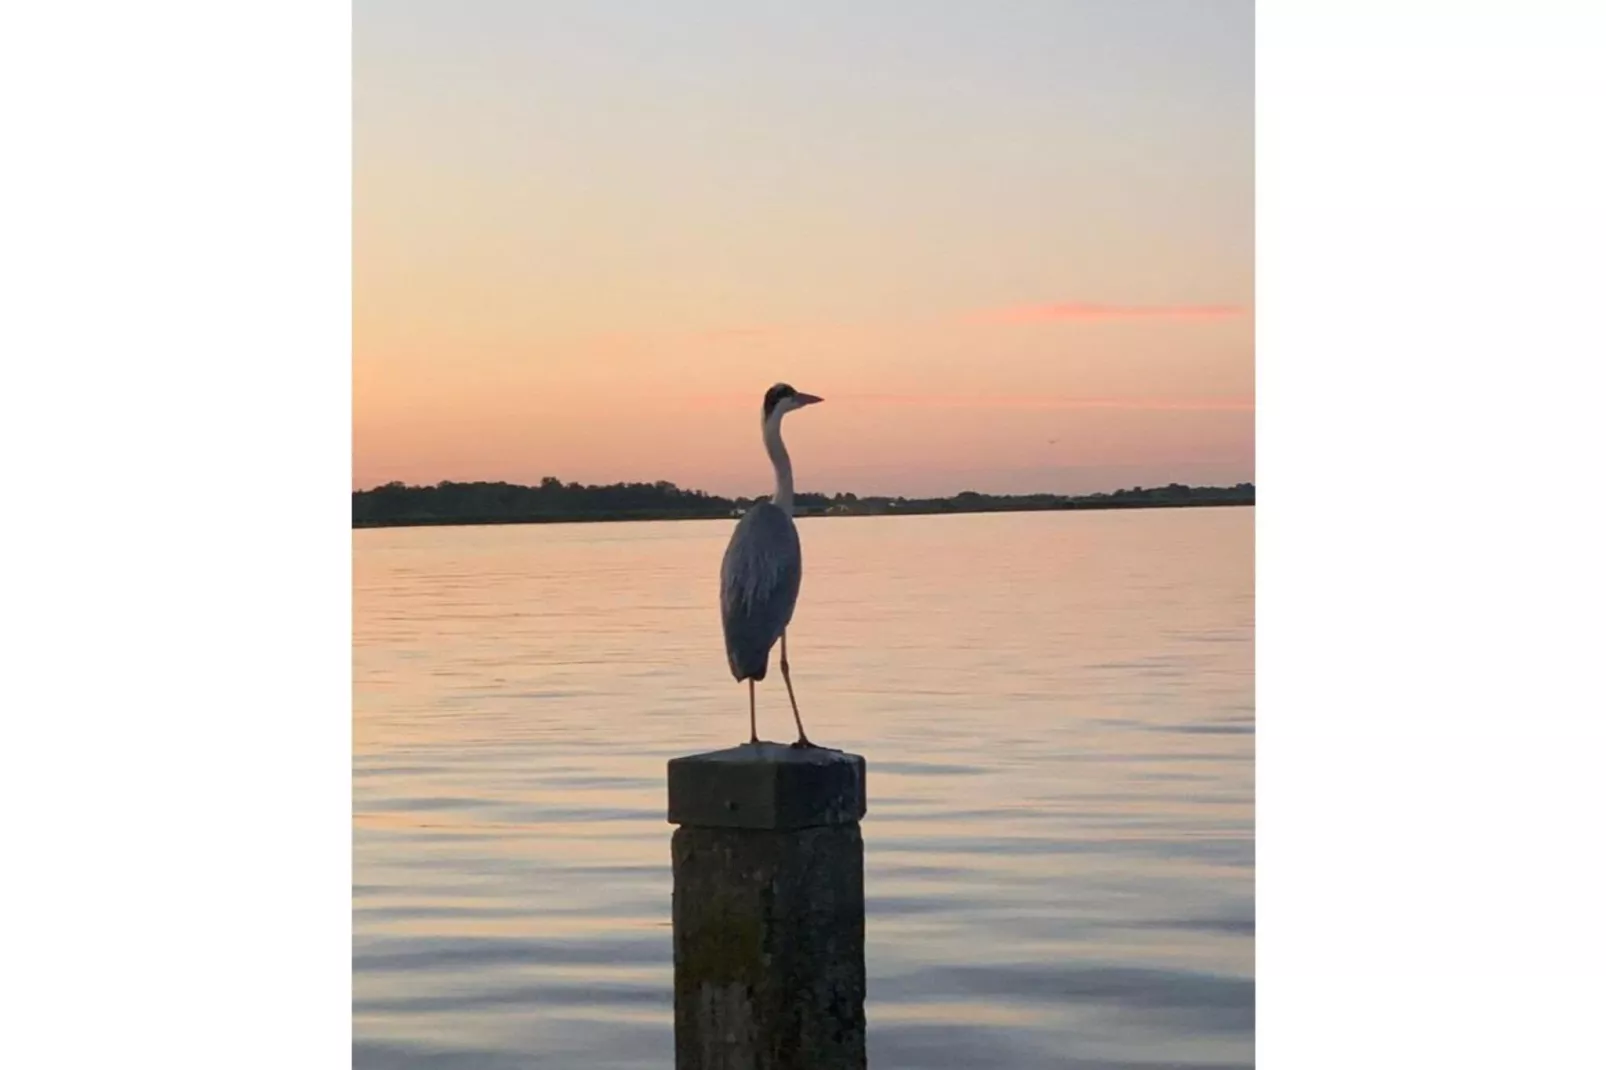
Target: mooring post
x=768 y=909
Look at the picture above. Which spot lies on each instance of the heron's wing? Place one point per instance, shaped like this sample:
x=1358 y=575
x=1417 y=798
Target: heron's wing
x=758 y=585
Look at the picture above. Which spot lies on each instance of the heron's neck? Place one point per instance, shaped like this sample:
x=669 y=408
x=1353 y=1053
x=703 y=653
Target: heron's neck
x=783 y=464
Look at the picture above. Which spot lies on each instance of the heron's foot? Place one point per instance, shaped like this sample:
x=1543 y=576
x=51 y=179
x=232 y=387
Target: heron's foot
x=802 y=743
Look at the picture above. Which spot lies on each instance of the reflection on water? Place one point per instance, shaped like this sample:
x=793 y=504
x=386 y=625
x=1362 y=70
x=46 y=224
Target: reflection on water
x=1056 y=709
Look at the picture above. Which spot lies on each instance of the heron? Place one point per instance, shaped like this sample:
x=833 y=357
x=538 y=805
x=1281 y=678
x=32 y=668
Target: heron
x=763 y=568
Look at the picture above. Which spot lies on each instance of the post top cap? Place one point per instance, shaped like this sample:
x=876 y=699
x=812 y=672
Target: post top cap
x=766 y=751
x=767 y=786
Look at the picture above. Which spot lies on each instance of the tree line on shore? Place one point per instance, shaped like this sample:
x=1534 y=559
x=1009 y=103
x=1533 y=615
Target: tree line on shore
x=554 y=500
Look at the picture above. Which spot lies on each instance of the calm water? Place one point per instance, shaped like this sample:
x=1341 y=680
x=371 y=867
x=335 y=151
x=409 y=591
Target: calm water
x=1057 y=709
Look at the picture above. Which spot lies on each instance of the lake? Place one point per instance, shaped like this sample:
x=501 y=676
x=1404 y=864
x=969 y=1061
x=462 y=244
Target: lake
x=1057 y=710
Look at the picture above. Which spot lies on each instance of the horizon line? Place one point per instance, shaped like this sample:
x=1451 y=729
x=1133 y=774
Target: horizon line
x=827 y=494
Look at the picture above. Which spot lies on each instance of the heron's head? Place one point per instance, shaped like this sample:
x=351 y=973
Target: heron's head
x=781 y=399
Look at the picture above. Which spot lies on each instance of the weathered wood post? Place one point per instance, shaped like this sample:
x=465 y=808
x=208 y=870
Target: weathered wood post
x=768 y=909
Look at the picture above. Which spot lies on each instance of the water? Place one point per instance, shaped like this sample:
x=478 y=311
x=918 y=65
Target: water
x=1057 y=709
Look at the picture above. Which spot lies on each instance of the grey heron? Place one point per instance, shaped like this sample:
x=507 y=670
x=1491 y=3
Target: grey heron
x=763 y=568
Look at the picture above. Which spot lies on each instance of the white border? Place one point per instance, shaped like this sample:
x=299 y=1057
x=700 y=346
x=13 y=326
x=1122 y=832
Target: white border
x=1429 y=343
x=175 y=271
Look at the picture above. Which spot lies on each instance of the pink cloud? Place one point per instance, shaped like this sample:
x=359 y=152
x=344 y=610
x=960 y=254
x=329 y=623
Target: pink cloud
x=1084 y=311
x=1005 y=401
x=1051 y=402
x=745 y=334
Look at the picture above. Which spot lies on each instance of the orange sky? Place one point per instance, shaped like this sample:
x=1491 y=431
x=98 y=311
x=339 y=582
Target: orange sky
x=1011 y=255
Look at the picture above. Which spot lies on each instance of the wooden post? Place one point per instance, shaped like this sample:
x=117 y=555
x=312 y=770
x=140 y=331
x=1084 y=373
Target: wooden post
x=768 y=909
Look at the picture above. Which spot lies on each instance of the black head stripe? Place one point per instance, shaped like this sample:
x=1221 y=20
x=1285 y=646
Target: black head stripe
x=773 y=396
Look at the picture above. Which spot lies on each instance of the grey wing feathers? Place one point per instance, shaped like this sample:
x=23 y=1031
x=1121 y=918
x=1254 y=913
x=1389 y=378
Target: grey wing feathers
x=758 y=585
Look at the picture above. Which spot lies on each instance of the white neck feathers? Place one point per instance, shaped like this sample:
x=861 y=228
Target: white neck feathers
x=783 y=463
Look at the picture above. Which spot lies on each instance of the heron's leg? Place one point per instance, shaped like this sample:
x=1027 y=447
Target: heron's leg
x=786 y=674
x=752 y=712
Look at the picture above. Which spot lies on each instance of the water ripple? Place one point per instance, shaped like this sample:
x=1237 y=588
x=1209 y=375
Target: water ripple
x=1058 y=713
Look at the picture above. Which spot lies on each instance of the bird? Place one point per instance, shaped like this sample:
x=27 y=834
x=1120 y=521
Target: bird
x=762 y=569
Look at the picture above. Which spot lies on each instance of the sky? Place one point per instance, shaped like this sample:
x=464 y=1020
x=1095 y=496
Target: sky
x=1011 y=245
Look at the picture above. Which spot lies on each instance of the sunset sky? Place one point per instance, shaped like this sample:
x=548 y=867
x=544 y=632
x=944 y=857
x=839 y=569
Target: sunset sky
x=1010 y=245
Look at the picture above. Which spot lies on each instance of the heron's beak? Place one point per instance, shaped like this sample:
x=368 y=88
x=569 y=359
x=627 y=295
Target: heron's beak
x=806 y=399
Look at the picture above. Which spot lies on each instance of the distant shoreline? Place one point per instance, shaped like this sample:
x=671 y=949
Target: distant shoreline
x=802 y=514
